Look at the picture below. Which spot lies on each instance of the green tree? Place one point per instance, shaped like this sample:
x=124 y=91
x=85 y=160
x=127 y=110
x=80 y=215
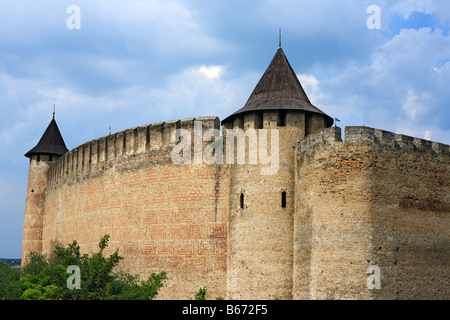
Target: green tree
x=9 y=288
x=201 y=295
x=34 y=263
x=45 y=278
x=127 y=287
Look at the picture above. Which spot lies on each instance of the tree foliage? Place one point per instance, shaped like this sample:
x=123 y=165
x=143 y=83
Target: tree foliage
x=45 y=278
x=201 y=294
x=9 y=289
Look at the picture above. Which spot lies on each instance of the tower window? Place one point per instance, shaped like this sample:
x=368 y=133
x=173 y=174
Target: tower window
x=259 y=120
x=282 y=118
x=283 y=199
x=241 y=202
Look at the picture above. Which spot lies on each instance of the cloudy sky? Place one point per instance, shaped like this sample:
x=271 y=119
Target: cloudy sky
x=129 y=63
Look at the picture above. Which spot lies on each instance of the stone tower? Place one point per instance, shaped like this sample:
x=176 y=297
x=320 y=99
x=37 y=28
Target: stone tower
x=50 y=147
x=262 y=206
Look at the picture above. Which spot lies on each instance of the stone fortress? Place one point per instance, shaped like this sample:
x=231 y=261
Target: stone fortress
x=337 y=217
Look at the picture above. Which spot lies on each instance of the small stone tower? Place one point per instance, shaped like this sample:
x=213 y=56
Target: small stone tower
x=50 y=148
x=262 y=207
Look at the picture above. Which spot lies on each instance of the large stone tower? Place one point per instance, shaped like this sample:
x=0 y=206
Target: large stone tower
x=261 y=209
x=50 y=147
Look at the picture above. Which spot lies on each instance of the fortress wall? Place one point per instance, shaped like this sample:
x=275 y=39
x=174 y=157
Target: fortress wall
x=34 y=208
x=161 y=216
x=331 y=210
x=261 y=253
x=410 y=198
x=378 y=198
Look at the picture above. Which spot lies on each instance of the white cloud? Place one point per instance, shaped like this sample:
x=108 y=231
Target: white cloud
x=211 y=72
x=406 y=7
x=412 y=105
x=191 y=93
x=399 y=91
x=311 y=86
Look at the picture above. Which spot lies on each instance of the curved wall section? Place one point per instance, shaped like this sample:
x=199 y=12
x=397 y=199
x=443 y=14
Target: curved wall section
x=161 y=216
x=376 y=201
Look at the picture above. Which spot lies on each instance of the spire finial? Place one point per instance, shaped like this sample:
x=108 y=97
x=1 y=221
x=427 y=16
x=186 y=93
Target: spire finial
x=279 y=38
x=53 y=111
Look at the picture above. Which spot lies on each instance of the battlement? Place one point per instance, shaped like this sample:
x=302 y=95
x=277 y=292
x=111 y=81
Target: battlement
x=394 y=140
x=376 y=136
x=309 y=122
x=154 y=140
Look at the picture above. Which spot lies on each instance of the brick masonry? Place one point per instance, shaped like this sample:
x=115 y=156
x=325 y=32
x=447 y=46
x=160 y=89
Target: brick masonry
x=376 y=198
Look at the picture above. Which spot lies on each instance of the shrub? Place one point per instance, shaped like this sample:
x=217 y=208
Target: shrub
x=45 y=278
x=9 y=289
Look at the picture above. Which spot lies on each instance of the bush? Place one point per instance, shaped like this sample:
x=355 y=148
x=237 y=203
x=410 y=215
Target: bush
x=127 y=287
x=9 y=289
x=45 y=278
x=201 y=295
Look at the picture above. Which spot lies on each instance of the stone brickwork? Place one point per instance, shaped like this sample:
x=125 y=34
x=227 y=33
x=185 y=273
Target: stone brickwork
x=34 y=205
x=161 y=216
x=377 y=198
x=261 y=231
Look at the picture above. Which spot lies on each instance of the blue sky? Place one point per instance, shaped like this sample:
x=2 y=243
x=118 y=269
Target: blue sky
x=137 y=62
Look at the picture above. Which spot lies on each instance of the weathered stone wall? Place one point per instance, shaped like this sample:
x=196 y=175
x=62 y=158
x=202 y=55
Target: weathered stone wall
x=377 y=198
x=34 y=205
x=161 y=216
x=261 y=232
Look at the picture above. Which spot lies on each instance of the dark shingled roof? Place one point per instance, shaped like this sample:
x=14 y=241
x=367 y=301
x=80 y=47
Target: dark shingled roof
x=279 y=89
x=51 y=142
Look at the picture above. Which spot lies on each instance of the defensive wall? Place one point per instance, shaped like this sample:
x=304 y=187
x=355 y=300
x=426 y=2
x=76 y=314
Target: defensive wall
x=376 y=199
x=161 y=216
x=311 y=216
x=164 y=216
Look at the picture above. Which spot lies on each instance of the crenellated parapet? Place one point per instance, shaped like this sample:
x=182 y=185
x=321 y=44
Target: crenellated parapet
x=376 y=200
x=151 y=140
x=379 y=138
x=386 y=138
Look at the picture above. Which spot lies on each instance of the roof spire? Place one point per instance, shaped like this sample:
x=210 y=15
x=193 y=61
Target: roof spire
x=279 y=89
x=51 y=143
x=279 y=38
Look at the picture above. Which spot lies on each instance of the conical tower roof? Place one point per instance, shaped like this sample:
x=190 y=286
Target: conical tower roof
x=51 y=142
x=279 y=89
